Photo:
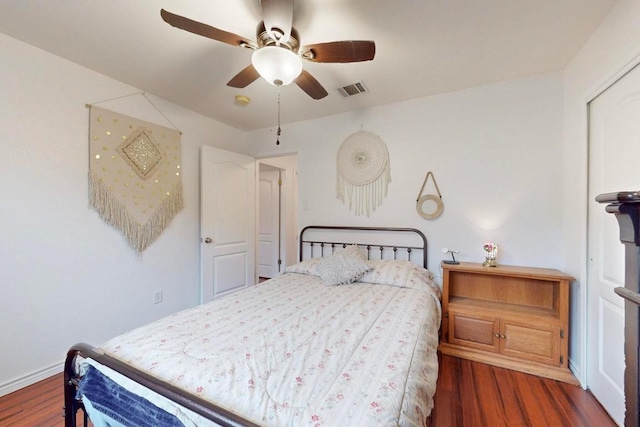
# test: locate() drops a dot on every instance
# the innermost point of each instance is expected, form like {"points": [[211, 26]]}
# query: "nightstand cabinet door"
{"points": [[527, 341], [474, 330]]}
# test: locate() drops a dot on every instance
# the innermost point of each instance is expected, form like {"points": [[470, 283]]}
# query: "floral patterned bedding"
{"points": [[293, 351]]}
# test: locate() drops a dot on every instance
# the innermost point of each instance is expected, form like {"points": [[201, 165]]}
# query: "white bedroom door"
{"points": [[268, 222], [227, 222], [614, 148]]}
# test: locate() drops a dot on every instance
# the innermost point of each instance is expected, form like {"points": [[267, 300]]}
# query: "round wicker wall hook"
{"points": [[420, 201]]}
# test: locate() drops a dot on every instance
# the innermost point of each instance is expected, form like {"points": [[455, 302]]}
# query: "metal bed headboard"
{"points": [[332, 246]]}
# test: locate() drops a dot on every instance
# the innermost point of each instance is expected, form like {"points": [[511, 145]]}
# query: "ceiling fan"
{"points": [[277, 55]]}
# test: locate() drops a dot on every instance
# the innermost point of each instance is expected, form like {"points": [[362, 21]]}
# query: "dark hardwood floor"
{"points": [[469, 394], [474, 394], [39, 405]]}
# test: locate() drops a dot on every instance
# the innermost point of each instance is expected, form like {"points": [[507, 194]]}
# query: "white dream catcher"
{"points": [[363, 172]]}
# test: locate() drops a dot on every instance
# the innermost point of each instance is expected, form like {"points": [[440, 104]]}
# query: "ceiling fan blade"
{"points": [[205, 30], [278, 14], [310, 85], [244, 78], [343, 51]]}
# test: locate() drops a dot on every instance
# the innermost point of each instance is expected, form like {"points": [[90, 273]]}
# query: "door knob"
{"points": [[208, 240]]}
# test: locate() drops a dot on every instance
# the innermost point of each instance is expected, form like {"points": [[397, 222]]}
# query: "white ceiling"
{"points": [[423, 47]]}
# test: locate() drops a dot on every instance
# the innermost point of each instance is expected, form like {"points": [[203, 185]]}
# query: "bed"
{"points": [[347, 336]]}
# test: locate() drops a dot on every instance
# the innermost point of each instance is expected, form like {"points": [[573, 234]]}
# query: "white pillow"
{"points": [[346, 266], [404, 274], [308, 266]]}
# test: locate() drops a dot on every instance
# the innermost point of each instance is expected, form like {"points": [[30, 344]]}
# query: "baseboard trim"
{"points": [[578, 374], [27, 380]]}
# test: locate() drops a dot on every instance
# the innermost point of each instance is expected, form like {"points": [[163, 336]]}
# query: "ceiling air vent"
{"points": [[353, 89]]}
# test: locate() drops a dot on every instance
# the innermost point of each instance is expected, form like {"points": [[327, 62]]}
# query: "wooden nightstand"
{"points": [[512, 317]]}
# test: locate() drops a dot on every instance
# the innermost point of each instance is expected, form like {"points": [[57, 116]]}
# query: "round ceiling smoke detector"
{"points": [[242, 100]]}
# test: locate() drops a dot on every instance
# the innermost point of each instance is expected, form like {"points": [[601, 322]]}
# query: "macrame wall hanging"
{"points": [[135, 181], [363, 172]]}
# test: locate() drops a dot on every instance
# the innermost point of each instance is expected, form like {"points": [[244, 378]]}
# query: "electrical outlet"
{"points": [[157, 296]]}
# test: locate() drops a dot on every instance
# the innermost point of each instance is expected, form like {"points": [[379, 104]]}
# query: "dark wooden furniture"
{"points": [[625, 206], [512, 317]]}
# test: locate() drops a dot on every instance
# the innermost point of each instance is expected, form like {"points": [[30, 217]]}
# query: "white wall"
{"points": [[612, 49], [496, 152], [66, 276]]}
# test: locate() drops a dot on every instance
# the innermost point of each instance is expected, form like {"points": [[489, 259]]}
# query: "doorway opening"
{"points": [[277, 215]]}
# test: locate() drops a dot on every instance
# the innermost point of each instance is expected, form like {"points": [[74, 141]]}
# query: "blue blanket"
{"points": [[120, 406]]}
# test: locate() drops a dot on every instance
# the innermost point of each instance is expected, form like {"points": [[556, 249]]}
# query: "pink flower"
{"points": [[340, 396], [299, 380], [315, 418], [374, 404], [199, 389], [248, 355]]}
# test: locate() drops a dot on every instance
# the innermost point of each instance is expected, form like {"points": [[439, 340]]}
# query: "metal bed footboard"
{"points": [[200, 406]]}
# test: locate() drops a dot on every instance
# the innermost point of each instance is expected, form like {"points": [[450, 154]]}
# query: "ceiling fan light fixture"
{"points": [[277, 65]]}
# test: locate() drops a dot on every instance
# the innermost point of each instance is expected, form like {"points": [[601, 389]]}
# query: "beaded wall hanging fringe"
{"points": [[135, 181], [363, 172], [115, 213]]}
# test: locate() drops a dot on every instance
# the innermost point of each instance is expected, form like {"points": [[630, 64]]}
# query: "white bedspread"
{"points": [[295, 352]]}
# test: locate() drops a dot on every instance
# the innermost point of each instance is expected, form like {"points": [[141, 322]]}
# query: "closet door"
{"points": [[614, 152], [268, 222]]}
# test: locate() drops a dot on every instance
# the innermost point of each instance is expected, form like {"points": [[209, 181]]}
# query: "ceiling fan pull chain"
{"points": [[279, 130]]}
